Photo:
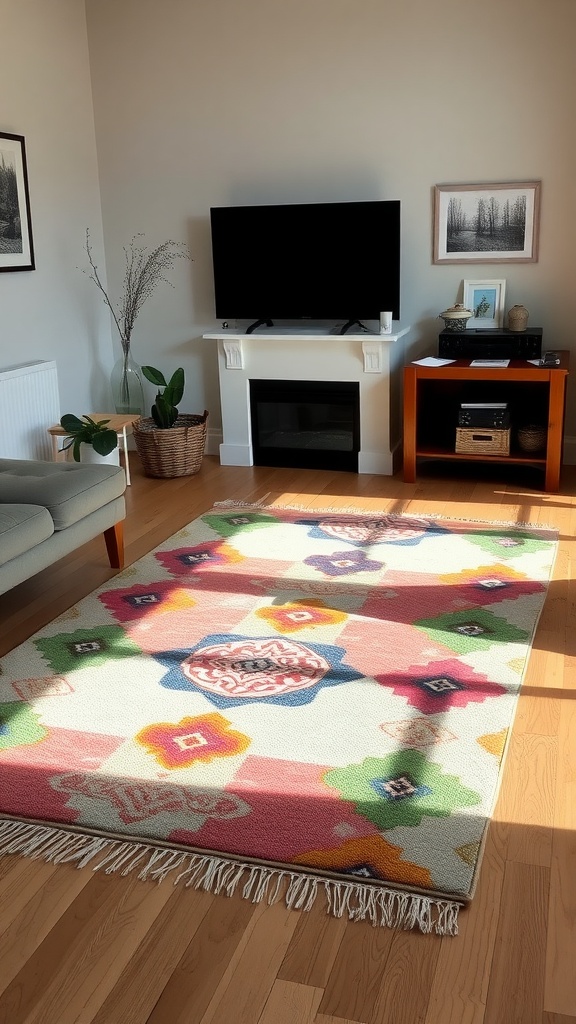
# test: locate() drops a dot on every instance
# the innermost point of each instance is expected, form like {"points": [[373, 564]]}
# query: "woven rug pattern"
{"points": [[282, 700]]}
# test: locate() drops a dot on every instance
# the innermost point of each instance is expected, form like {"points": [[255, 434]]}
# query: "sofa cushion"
{"points": [[69, 491], [22, 527]]}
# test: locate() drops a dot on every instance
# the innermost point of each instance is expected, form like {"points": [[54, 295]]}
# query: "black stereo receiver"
{"points": [[490, 343], [484, 414]]}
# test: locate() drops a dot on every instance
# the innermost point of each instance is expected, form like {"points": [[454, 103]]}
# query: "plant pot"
{"points": [[175, 451], [89, 456]]}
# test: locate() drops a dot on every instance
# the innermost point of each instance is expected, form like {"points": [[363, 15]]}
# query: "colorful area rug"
{"points": [[282, 701]]}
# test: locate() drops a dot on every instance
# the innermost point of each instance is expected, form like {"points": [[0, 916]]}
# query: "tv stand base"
{"points": [[352, 323], [259, 323]]}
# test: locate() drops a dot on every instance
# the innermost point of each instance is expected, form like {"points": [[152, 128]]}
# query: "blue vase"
{"points": [[127, 388]]}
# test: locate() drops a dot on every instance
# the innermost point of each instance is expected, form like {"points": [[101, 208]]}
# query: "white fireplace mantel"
{"points": [[373, 360]]}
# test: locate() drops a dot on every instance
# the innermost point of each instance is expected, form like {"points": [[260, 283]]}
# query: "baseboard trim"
{"points": [[213, 442]]}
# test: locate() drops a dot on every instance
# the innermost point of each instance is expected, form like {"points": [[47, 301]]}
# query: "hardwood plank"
{"points": [[313, 947], [141, 983], [322, 1018], [560, 987], [538, 714], [526, 803], [399, 1000], [18, 885], [290, 1003], [243, 992], [520, 947], [557, 1018], [30, 928], [210, 957], [354, 981], [82, 957], [460, 984]]}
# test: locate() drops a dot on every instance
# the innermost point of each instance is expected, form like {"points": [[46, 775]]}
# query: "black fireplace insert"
{"points": [[305, 424]]}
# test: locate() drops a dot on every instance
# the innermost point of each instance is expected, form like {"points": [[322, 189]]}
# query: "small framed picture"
{"points": [[496, 223], [486, 300], [16, 248]]}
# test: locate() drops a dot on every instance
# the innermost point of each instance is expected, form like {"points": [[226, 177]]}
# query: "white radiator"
{"points": [[29, 404]]}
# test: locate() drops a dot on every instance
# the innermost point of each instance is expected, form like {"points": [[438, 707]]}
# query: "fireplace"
{"points": [[305, 424], [367, 363]]}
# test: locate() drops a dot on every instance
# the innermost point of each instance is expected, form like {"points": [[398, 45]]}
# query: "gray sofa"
{"points": [[48, 509]]}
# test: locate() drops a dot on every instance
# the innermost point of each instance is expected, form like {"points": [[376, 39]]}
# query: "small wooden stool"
{"points": [[121, 424]]}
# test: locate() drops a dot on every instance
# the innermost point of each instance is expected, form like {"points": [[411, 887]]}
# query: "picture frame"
{"points": [[16, 246], [486, 223], [486, 299]]}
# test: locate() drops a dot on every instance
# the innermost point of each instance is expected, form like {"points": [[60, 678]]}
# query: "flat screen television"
{"points": [[314, 261]]}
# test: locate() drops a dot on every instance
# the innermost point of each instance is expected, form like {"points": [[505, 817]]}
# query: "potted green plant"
{"points": [[90, 440], [169, 443]]}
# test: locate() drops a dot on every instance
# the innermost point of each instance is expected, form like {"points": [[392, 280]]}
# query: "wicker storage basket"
{"points": [[478, 441], [176, 451], [532, 438]]}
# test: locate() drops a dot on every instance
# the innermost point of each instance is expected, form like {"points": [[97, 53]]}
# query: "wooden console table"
{"points": [[432, 395]]}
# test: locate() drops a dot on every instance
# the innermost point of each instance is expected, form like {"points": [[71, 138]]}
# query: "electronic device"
{"points": [[490, 343], [316, 261], [484, 414], [550, 359]]}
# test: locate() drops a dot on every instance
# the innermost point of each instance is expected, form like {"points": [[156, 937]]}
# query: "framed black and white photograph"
{"points": [[494, 223], [16, 248], [486, 300]]}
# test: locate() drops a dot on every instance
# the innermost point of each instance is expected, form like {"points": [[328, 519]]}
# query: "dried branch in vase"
{"points": [[144, 269]]}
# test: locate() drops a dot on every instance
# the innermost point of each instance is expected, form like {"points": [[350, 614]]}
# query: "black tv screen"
{"points": [[318, 261]]}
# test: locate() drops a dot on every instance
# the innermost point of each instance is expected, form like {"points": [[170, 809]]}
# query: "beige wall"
{"points": [[208, 102], [53, 312]]}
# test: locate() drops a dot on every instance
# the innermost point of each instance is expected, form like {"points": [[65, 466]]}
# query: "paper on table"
{"points": [[432, 361], [497, 363], [535, 362]]}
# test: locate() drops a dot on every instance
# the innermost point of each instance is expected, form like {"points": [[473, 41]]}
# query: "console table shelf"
{"points": [[432, 395], [515, 457]]}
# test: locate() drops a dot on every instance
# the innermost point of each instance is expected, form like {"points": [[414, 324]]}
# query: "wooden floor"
{"points": [[94, 949]]}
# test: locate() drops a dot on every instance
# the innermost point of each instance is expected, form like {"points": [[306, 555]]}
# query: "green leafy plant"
{"points": [[164, 411], [88, 431]]}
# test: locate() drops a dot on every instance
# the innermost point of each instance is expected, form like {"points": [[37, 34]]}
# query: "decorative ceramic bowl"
{"points": [[456, 317]]}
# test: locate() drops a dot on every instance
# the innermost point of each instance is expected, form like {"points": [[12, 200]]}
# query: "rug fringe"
{"points": [[233, 503], [354, 510], [261, 883]]}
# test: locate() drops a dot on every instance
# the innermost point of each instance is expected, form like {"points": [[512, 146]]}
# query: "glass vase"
{"points": [[127, 389]]}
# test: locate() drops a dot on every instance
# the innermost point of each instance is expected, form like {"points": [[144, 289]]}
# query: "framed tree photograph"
{"points": [[494, 223], [486, 300], [16, 248]]}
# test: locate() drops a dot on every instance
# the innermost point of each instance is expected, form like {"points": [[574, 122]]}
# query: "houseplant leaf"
{"points": [[70, 423], [105, 441], [154, 376]]}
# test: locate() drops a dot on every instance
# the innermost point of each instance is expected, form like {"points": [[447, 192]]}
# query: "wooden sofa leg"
{"points": [[114, 538]]}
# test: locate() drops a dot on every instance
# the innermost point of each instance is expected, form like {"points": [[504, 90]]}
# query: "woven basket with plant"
{"points": [[170, 443]]}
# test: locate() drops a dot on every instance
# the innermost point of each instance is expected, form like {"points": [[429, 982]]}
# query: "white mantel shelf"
{"points": [[370, 358], [305, 334]]}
